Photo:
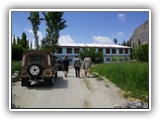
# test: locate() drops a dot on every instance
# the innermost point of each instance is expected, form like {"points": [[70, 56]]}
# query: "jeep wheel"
{"points": [[35, 70]]}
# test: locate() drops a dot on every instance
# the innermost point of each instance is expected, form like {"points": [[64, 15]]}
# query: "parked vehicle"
{"points": [[36, 66], [59, 64]]}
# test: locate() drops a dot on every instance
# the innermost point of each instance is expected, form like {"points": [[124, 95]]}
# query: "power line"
{"points": [[25, 14], [19, 16]]}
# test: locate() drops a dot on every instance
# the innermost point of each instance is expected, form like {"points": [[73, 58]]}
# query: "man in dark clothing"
{"points": [[65, 64], [77, 65]]}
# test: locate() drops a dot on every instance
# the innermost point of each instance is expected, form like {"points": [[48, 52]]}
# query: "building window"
{"points": [[108, 59], [114, 51], [126, 51], [59, 50], [76, 50], [107, 51], [69, 50], [120, 51]]}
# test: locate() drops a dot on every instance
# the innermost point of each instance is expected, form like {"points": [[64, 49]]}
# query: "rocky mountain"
{"points": [[141, 33]]}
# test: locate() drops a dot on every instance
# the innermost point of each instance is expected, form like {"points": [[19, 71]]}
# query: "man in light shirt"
{"points": [[87, 66]]}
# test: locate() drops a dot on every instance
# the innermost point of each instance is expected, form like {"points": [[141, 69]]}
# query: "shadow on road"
{"points": [[60, 83], [41, 85]]}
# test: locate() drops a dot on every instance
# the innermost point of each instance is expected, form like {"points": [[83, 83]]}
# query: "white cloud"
{"points": [[30, 30], [33, 45], [120, 34], [39, 35], [102, 40], [122, 17], [65, 39]]}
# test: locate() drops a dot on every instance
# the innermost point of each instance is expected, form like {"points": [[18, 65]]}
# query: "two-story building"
{"points": [[110, 52]]}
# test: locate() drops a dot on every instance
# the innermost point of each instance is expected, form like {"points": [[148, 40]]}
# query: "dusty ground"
{"points": [[69, 92]]}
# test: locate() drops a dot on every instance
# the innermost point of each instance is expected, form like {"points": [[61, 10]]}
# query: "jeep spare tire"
{"points": [[35, 70]]}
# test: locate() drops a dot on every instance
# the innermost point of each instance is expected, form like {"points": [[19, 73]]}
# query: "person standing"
{"points": [[87, 66], [77, 65], [65, 64]]}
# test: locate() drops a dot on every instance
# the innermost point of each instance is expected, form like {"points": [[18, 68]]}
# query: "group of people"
{"points": [[77, 64]]}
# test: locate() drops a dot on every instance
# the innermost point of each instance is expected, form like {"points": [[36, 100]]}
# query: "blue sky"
{"points": [[86, 27]]}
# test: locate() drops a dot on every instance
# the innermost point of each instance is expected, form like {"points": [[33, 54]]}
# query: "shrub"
{"points": [[17, 52], [96, 56], [141, 53], [16, 66]]}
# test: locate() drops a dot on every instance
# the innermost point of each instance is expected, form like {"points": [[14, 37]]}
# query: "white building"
{"points": [[122, 53]]}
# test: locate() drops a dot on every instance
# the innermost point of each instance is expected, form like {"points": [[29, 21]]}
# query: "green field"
{"points": [[16, 66], [132, 77]]}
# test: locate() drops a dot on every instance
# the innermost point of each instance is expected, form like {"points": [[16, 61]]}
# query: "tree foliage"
{"points": [[124, 43], [18, 41], [14, 40], [24, 41], [35, 21], [140, 52], [17, 52], [96, 56], [19, 46], [55, 23], [115, 40]]}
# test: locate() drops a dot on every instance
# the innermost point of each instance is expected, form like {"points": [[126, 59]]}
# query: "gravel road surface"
{"points": [[68, 92]]}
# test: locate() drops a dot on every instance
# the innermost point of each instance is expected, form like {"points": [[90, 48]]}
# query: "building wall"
{"points": [[107, 57]]}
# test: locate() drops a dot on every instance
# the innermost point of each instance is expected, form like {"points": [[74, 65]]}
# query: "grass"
{"points": [[16, 66], [132, 77]]}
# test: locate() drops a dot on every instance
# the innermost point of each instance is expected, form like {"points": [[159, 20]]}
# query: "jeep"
{"points": [[37, 66]]}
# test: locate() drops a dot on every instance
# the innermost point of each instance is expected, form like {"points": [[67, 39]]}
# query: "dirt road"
{"points": [[68, 92]]}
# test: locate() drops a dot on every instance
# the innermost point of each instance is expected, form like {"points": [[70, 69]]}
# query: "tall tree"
{"points": [[124, 43], [55, 23], [24, 41], [115, 40], [14, 40], [18, 41], [35, 21], [31, 45], [128, 43]]}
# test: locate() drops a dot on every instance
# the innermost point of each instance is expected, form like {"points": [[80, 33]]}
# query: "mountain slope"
{"points": [[141, 33]]}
